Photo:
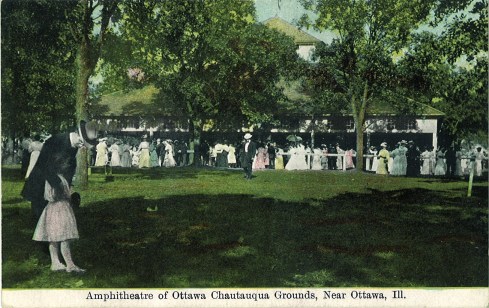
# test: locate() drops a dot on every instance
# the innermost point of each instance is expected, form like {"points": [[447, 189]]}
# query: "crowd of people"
{"points": [[147, 153], [406, 159], [402, 159]]}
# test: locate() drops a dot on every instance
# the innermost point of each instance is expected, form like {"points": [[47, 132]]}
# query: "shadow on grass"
{"points": [[396, 238], [159, 173]]}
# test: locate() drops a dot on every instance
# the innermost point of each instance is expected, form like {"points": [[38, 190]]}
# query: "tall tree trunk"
{"points": [[360, 124], [84, 69], [196, 131], [359, 135]]}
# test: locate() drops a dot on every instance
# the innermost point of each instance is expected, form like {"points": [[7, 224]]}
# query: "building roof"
{"points": [[137, 102], [300, 37], [143, 102]]}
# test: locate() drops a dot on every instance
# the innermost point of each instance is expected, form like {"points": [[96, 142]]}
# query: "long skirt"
{"points": [[144, 158], [279, 162]]}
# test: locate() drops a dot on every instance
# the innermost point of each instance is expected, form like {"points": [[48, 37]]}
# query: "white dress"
{"points": [[375, 161], [169, 161], [297, 159], [316, 160], [479, 156], [101, 159], [144, 155], [340, 158], [115, 158], [57, 222], [425, 166], [441, 166], [232, 155]]}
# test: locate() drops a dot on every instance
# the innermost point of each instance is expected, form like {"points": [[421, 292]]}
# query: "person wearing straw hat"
{"points": [[248, 152], [383, 158]]}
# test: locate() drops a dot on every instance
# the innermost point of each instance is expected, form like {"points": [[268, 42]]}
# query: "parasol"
{"points": [[294, 138]]}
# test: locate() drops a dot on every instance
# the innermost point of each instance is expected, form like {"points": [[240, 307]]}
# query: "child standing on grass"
{"points": [[57, 224]]}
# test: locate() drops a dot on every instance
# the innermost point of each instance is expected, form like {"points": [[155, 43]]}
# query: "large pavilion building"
{"points": [[136, 113]]}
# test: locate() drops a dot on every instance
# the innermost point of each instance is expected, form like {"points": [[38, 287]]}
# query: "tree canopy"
{"points": [[37, 67], [357, 68]]}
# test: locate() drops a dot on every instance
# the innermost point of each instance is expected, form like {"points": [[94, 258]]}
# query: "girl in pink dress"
{"points": [[260, 159], [57, 225]]}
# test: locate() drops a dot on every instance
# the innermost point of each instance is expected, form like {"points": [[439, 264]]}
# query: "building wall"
{"points": [[327, 129]]}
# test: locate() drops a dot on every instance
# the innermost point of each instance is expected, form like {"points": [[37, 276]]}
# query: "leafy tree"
{"points": [[448, 68], [37, 68], [357, 67], [459, 91], [210, 60], [89, 24], [46, 45]]}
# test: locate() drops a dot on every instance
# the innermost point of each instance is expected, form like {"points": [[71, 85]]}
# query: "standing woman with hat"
{"points": [[383, 159], [144, 153], [102, 149], [248, 152]]}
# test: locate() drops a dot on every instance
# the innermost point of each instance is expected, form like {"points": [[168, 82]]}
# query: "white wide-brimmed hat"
{"points": [[383, 144], [247, 136]]}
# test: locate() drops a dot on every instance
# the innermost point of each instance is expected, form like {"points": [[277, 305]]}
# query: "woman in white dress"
{"points": [[232, 156], [426, 162], [101, 158], [432, 161], [458, 163], [316, 159], [144, 153], [169, 160], [341, 158], [115, 157], [479, 156], [375, 162], [297, 159], [441, 166]]}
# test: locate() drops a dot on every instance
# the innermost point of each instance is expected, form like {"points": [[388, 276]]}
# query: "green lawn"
{"points": [[282, 229]]}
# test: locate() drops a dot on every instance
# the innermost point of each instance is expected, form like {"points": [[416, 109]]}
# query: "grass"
{"points": [[282, 229]]}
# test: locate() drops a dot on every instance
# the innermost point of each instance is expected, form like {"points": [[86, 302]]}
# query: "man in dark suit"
{"points": [[413, 160], [271, 155], [58, 156], [247, 155]]}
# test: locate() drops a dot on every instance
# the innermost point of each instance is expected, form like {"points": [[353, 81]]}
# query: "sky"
{"points": [[290, 11]]}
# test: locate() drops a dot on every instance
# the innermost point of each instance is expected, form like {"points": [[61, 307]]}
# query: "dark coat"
{"points": [[56, 157], [246, 158]]}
